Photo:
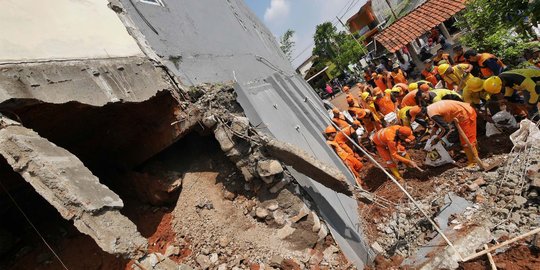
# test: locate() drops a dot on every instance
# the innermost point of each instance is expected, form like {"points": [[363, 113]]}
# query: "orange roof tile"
{"points": [[417, 22]]}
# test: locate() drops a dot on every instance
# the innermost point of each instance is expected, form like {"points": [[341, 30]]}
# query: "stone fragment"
{"points": [[491, 189], [223, 138], [323, 232], [520, 201], [316, 222], [279, 217], [261, 212], [224, 241], [229, 195], [240, 124], [304, 211], [267, 168], [248, 176], [285, 231], [209, 121], [214, 258], [276, 261], [272, 206], [172, 250], [377, 248], [290, 264], [480, 181], [472, 187], [203, 261], [278, 186]]}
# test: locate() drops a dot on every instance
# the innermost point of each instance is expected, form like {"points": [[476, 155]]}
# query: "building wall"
{"points": [[62, 29]]}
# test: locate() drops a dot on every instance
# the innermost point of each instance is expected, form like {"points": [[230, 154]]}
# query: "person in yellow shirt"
{"points": [[456, 76], [473, 92]]}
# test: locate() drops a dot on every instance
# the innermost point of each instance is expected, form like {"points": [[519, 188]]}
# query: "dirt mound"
{"points": [[518, 257]]}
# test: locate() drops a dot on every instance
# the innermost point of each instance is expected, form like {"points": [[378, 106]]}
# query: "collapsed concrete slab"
{"points": [[63, 180]]}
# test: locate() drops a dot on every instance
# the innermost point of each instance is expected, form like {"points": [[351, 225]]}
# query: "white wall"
{"points": [[61, 29]]}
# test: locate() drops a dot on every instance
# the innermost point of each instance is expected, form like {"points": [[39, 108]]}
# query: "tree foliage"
{"points": [[286, 43], [335, 47], [503, 27]]}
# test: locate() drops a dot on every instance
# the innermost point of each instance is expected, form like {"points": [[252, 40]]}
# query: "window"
{"points": [[153, 2]]}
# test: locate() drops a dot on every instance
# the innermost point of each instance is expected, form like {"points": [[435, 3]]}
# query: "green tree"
{"points": [[336, 47], [286, 43], [503, 27]]}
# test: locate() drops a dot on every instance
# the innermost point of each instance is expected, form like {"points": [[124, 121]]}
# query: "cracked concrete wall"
{"points": [[62, 29], [63, 180], [94, 82]]}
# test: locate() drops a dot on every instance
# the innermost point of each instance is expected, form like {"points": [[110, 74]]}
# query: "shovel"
{"points": [[486, 167]]}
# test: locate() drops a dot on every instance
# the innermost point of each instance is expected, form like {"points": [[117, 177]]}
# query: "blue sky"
{"points": [[302, 16]]}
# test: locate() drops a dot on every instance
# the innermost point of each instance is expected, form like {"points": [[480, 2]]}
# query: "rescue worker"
{"points": [[369, 104], [436, 95], [408, 114], [429, 73], [441, 55], [351, 100], [398, 92], [455, 77], [409, 99], [443, 114], [524, 81], [474, 94], [350, 161], [388, 142], [415, 85], [458, 58], [363, 115], [368, 77], [380, 79], [343, 141], [488, 63], [346, 89], [398, 76], [339, 119], [384, 102]]}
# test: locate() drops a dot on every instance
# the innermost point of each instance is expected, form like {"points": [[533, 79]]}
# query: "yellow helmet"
{"points": [[443, 68], [396, 89], [474, 84], [364, 95], [413, 86], [493, 85]]}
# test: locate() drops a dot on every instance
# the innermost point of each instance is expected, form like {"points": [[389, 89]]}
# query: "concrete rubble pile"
{"points": [[465, 203]]}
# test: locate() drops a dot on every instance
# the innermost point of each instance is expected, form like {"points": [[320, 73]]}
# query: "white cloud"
{"points": [[278, 9]]}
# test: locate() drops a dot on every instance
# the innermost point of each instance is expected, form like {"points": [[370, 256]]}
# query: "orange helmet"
{"points": [[406, 132], [377, 91], [330, 129], [424, 87], [350, 100], [346, 89], [335, 110]]}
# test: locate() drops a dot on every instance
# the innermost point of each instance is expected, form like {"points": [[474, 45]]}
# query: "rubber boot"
{"points": [[396, 173], [471, 161]]}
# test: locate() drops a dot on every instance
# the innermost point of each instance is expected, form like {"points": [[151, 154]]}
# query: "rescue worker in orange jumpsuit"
{"points": [[429, 73], [384, 102], [388, 142], [409, 99], [361, 114], [398, 76], [343, 141], [443, 114], [339, 119], [380, 79], [346, 89], [488, 63], [442, 56], [350, 161], [398, 92], [459, 58], [374, 116]]}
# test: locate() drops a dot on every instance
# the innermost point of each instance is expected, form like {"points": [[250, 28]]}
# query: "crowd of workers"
{"points": [[395, 112]]}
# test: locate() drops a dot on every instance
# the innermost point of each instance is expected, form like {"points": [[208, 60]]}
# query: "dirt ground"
{"points": [[517, 257]]}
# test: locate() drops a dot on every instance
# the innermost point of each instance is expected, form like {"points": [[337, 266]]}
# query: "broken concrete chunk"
{"points": [[520, 201], [480, 181], [209, 121], [304, 211], [377, 248], [272, 205], [268, 168], [277, 187], [323, 232], [472, 187], [248, 176], [285, 231], [240, 124], [261, 212], [172, 250], [223, 138], [203, 261], [316, 222], [279, 217]]}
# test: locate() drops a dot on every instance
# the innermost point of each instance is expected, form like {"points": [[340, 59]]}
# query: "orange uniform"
{"points": [[343, 141], [409, 99], [463, 112], [379, 81], [443, 56], [385, 104], [340, 122], [352, 163], [398, 77], [429, 75], [388, 146], [486, 71]]}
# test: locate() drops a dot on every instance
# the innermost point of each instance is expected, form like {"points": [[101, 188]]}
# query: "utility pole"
{"points": [[349, 31], [392, 10]]}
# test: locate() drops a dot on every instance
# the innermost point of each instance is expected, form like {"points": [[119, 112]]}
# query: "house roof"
{"points": [[419, 21]]}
